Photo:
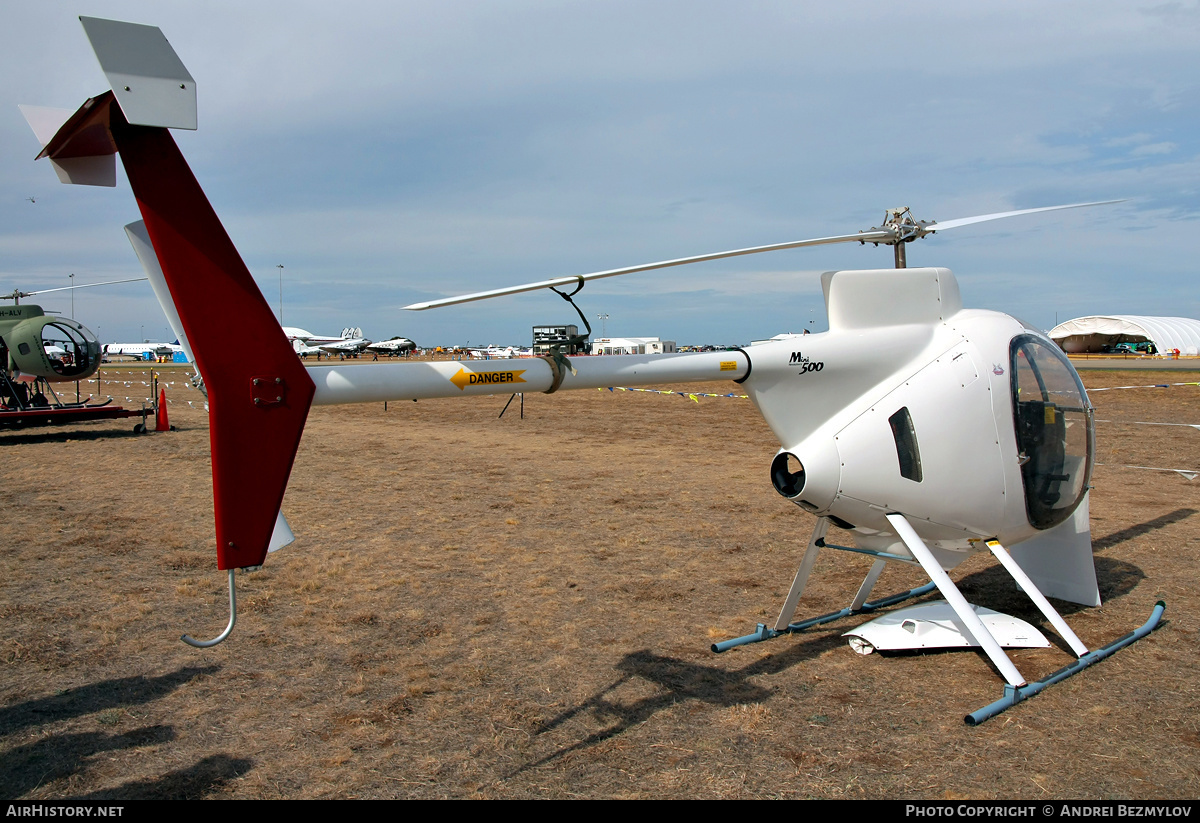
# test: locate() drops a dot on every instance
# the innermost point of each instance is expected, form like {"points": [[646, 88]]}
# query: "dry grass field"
{"points": [[483, 607]]}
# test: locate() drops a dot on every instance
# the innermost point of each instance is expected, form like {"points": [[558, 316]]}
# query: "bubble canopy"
{"points": [[66, 348], [1054, 429]]}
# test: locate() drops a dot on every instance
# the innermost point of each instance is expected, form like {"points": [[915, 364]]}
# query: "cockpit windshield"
{"points": [[1055, 436], [66, 348]]}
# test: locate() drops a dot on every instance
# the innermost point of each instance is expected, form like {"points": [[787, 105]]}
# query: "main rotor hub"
{"points": [[902, 227], [16, 296]]}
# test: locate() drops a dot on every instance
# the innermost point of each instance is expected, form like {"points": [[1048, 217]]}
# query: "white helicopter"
{"points": [[927, 430]]}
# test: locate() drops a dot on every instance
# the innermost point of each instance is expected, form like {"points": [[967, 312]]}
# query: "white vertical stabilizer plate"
{"points": [[282, 535], [936, 626], [139, 238], [1059, 561], [151, 83]]}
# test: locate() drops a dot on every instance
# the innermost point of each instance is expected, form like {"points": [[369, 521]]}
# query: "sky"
{"points": [[387, 153]]}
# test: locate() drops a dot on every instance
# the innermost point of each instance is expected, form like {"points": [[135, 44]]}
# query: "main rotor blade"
{"points": [[874, 236], [890, 234], [83, 286], [983, 218]]}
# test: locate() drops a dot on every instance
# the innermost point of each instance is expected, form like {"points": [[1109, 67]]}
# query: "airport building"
{"points": [[785, 336], [547, 337], [1128, 332], [632, 345]]}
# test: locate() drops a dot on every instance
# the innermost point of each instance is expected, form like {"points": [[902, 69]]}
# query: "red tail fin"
{"points": [[258, 404]]}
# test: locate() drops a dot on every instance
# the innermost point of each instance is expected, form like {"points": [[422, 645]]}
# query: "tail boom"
{"points": [[459, 378]]}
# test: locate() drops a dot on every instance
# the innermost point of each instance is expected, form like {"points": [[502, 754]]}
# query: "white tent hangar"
{"points": [[1091, 334]]}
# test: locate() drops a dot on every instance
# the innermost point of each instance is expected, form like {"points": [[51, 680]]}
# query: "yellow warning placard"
{"points": [[728, 365], [466, 378]]}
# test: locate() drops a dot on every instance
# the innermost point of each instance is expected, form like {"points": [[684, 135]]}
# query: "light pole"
{"points": [[603, 318], [280, 267], [71, 278]]}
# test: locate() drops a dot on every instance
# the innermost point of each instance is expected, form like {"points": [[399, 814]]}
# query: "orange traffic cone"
{"points": [[160, 414]]}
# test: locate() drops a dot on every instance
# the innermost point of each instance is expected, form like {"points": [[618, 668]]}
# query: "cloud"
{"points": [[1152, 149]]}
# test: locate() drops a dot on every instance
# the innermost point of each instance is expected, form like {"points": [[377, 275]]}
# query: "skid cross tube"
{"points": [[1039, 599], [765, 633], [784, 624]]}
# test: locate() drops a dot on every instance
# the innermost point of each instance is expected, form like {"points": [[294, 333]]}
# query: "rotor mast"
{"points": [[899, 227]]}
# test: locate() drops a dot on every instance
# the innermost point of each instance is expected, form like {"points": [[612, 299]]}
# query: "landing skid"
{"points": [[1016, 688], [764, 633], [1015, 694]]}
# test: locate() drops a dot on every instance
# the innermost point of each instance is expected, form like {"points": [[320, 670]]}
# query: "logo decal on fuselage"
{"points": [[806, 364]]}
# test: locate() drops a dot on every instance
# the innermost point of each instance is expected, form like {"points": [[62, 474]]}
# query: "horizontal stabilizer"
{"points": [[152, 85], [44, 120], [86, 169]]}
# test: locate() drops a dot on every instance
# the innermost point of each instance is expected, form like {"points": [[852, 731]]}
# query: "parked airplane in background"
{"points": [[140, 350], [303, 335], [497, 353], [394, 345], [305, 342], [352, 345]]}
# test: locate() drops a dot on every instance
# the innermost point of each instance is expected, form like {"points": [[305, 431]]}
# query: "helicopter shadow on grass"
{"points": [[679, 681], [992, 587], [96, 697], [24, 437], [60, 756], [682, 681], [685, 681], [1137, 530], [995, 589], [195, 783]]}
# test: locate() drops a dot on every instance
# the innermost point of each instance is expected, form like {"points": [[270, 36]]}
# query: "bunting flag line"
{"points": [[1195, 426], [1153, 386], [1189, 474], [693, 395]]}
